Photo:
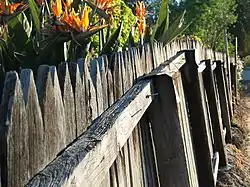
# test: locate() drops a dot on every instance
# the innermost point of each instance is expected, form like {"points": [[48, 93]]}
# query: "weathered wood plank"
{"points": [[106, 181], [186, 132], [68, 102], [134, 141], [223, 100], [103, 63], [110, 89], [82, 162], [16, 171], [117, 74], [96, 79], [127, 79], [227, 89], [132, 58], [92, 109], [166, 127], [234, 85], [78, 84], [137, 155], [149, 162], [195, 99], [219, 142], [119, 69], [49, 95], [36, 146], [113, 176], [129, 70]]}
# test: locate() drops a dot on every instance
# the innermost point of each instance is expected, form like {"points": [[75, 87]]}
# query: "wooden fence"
{"points": [[150, 116]]}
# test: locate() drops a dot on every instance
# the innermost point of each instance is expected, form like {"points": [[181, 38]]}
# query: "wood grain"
{"points": [[52, 110], [194, 91], [36, 146], [223, 100], [76, 165], [79, 89], [14, 120], [68, 102]]}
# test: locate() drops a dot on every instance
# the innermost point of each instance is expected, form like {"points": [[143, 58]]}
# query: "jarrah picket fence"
{"points": [[149, 116]]}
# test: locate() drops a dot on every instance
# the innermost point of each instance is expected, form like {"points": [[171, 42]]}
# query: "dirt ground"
{"points": [[238, 173]]}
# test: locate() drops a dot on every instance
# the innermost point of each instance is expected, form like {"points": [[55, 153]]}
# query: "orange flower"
{"points": [[57, 8], [85, 19], [103, 4], [140, 10], [141, 16], [74, 21], [68, 3], [7, 8], [142, 26]]}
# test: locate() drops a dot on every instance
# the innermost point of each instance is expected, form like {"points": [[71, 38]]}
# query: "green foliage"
{"points": [[216, 18], [112, 41], [247, 61], [175, 29], [241, 28], [163, 31], [121, 12], [35, 14], [163, 18]]}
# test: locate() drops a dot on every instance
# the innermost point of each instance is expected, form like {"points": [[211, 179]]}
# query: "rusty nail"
{"points": [[155, 94]]}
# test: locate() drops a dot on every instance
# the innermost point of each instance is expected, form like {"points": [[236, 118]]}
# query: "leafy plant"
{"points": [[163, 32]]}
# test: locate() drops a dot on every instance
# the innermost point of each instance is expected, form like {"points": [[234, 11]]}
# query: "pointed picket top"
{"points": [[92, 108], [68, 102], [14, 123], [50, 98], [103, 67], [96, 78], [36, 143], [79, 90]]}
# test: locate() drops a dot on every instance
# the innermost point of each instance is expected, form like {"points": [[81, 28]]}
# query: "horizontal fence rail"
{"points": [[149, 116]]}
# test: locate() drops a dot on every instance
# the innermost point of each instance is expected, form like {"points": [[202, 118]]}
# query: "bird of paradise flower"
{"points": [[7, 8], [70, 20], [141, 18]]}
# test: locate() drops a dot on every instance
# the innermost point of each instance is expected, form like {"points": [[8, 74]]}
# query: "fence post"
{"points": [[234, 85], [213, 102], [167, 135], [223, 100], [196, 105]]}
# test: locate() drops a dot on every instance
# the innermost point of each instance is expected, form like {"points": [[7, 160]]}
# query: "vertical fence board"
{"points": [[148, 154], [215, 115], [134, 141], [103, 62], [36, 146], [78, 85], [163, 114], [195, 100], [223, 100], [52, 110], [96, 79], [110, 87], [92, 109], [234, 85], [227, 90], [14, 123], [186, 133], [103, 67], [127, 79], [68, 102], [119, 166]]}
